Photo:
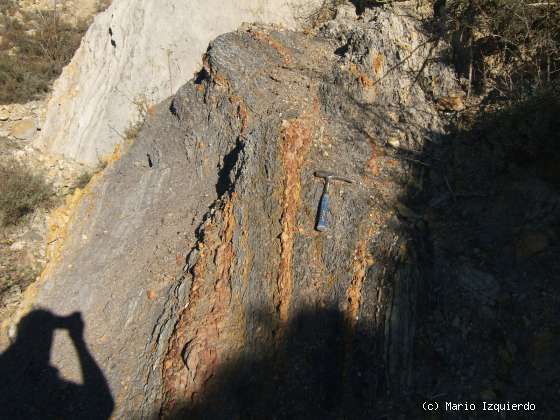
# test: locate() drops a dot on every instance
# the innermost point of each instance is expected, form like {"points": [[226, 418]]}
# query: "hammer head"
{"points": [[331, 176]]}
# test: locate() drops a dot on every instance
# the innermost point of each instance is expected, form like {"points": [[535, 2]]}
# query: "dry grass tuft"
{"points": [[21, 192]]}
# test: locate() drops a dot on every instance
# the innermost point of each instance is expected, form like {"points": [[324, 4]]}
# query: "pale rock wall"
{"points": [[137, 53]]}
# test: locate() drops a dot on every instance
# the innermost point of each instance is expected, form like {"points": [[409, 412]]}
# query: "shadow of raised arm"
{"points": [[96, 396], [32, 388]]}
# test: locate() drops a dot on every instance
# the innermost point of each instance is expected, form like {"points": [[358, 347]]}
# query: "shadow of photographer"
{"points": [[32, 388]]}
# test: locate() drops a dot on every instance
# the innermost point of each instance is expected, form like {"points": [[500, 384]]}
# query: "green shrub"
{"points": [[21, 192]]}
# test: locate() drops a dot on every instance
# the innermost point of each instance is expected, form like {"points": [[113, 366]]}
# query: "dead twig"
{"points": [[404, 60]]}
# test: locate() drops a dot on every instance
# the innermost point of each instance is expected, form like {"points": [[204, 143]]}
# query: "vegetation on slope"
{"points": [[506, 47], [21, 191], [34, 48]]}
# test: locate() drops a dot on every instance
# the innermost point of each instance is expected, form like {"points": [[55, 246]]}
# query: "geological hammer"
{"points": [[324, 203]]}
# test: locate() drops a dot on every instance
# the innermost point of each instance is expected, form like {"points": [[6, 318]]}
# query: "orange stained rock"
{"points": [[296, 139], [362, 77], [373, 161], [361, 261], [242, 112], [203, 332], [274, 43], [377, 62], [217, 78]]}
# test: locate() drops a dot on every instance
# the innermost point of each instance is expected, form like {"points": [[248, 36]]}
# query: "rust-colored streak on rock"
{"points": [[319, 266], [373, 161], [203, 335], [249, 253], [362, 260], [174, 375], [362, 77], [295, 141], [224, 254], [365, 81], [200, 89], [218, 78], [377, 62], [242, 112], [282, 51]]}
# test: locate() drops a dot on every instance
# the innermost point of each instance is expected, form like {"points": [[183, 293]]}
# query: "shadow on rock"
{"points": [[32, 388], [490, 324], [487, 325], [318, 370]]}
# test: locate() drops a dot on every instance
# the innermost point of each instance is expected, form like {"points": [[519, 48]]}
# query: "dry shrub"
{"points": [[324, 13], [33, 51], [21, 191], [144, 109], [83, 179], [507, 46], [101, 5]]}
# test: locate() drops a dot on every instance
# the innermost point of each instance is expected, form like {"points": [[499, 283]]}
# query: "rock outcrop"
{"points": [[194, 260], [206, 292], [21, 121], [135, 54]]}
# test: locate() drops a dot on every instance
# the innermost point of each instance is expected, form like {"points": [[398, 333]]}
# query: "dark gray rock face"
{"points": [[203, 284], [283, 320]]}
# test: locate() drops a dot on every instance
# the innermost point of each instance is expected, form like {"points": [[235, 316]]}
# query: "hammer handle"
{"points": [[322, 214]]}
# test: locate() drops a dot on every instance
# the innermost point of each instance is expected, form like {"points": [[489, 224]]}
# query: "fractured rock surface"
{"points": [[203, 285], [207, 293]]}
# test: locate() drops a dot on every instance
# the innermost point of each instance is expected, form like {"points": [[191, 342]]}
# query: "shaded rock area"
{"points": [[206, 292], [491, 319]]}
